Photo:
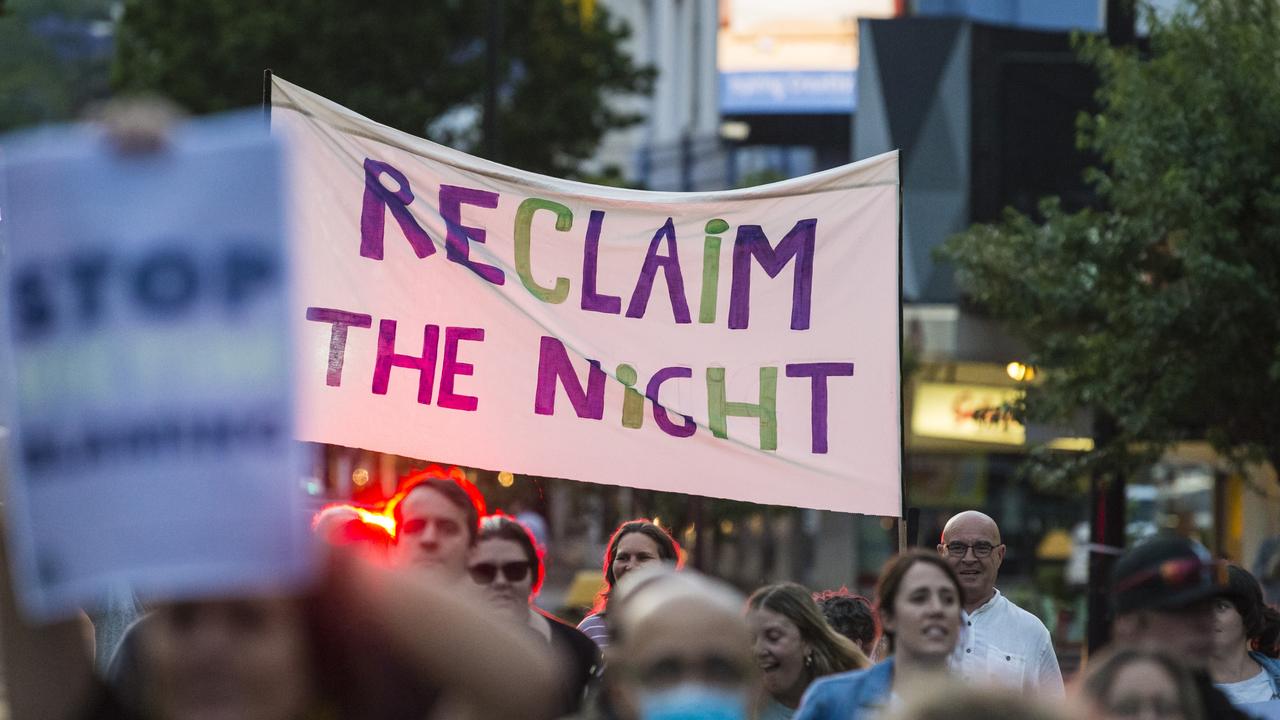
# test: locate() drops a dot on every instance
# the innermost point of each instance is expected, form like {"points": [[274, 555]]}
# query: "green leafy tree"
{"points": [[54, 59], [1159, 312], [418, 67]]}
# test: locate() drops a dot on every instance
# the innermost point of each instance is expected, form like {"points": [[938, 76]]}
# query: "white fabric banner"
{"points": [[739, 344]]}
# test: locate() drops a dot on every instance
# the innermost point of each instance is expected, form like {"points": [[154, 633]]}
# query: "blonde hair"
{"points": [[832, 652]]}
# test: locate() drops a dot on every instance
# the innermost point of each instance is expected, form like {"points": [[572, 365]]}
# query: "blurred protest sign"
{"points": [[740, 344], [149, 383]]}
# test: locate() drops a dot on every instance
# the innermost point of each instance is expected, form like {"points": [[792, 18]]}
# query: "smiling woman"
{"points": [[633, 544], [794, 645]]}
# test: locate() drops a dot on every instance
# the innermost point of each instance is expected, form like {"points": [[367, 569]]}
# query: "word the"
{"points": [[451, 367]]}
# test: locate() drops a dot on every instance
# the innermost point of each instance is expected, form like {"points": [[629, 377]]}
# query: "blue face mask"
{"points": [[693, 702]]}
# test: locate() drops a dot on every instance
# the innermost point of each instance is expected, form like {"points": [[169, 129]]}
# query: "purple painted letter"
{"points": [[387, 358], [591, 300], [659, 412], [452, 368], [372, 216], [670, 264], [341, 320], [457, 247], [553, 365], [818, 373], [751, 242]]}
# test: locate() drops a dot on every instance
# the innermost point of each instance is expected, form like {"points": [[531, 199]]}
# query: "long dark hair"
{"points": [[891, 581], [1261, 622], [668, 550], [832, 652]]}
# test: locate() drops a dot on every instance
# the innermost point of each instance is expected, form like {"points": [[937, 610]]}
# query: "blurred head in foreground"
{"points": [[680, 648], [919, 599], [236, 659], [952, 701], [1133, 682]]}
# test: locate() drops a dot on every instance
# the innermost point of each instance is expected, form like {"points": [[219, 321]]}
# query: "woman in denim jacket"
{"points": [[919, 605]]}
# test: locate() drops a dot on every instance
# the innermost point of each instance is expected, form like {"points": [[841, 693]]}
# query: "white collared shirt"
{"points": [[1004, 644]]}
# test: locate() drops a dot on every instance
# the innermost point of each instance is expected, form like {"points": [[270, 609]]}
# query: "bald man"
{"points": [[1001, 642], [680, 648]]}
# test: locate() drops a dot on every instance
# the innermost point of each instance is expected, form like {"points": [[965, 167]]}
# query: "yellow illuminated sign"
{"points": [[966, 412]]}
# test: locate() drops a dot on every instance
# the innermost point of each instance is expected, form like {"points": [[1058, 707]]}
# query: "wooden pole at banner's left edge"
{"points": [[902, 394], [266, 97]]}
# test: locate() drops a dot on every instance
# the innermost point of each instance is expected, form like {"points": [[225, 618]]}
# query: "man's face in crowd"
{"points": [[966, 537], [1185, 633], [433, 533]]}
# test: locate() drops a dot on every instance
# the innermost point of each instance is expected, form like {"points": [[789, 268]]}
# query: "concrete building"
{"points": [[677, 146]]}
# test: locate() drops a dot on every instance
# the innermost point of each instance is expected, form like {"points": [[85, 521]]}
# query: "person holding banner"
{"points": [[919, 603], [437, 514], [507, 566], [634, 544]]}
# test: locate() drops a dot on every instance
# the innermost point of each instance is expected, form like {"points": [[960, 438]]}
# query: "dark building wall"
{"points": [[984, 118]]}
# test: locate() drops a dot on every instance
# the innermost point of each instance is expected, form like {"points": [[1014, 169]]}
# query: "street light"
{"points": [[1020, 372]]}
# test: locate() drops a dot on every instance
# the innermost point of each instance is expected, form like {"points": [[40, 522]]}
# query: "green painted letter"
{"points": [[719, 409], [524, 219], [711, 270], [632, 400]]}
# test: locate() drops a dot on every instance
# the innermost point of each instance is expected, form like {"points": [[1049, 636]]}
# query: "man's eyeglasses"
{"points": [[980, 549], [485, 573], [1179, 573]]}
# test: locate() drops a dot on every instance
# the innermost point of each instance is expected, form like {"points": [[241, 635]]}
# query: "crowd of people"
{"points": [[428, 610]]}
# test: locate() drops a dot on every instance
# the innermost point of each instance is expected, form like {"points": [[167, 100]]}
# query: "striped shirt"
{"points": [[593, 626]]}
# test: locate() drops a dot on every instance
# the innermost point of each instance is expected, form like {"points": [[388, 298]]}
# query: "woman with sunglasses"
{"points": [[506, 563], [1243, 663], [919, 605]]}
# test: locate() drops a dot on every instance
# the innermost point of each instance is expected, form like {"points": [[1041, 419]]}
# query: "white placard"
{"points": [[150, 383]]}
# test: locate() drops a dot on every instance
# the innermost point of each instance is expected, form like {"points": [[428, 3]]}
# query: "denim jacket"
{"points": [[848, 695], [1271, 666]]}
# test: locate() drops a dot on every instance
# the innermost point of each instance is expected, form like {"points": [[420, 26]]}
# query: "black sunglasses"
{"points": [[484, 573]]}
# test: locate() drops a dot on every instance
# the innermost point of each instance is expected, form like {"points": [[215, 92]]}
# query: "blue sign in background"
{"points": [[788, 92]]}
